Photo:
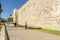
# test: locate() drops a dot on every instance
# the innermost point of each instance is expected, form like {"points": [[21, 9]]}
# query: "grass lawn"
{"points": [[46, 30], [51, 31]]}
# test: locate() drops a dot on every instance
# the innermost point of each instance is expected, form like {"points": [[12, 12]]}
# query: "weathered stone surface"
{"points": [[40, 13], [15, 15]]}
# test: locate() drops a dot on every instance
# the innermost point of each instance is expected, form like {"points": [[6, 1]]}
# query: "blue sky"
{"points": [[9, 5]]}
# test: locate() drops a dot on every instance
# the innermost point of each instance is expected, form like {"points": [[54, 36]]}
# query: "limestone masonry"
{"points": [[39, 13]]}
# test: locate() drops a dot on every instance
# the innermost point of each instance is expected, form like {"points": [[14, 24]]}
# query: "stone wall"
{"points": [[15, 16], [40, 13]]}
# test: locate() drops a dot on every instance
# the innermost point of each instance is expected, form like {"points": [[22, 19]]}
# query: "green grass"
{"points": [[1, 23], [51, 31], [44, 30]]}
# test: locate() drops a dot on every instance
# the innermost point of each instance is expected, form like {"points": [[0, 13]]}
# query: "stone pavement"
{"points": [[2, 33], [18, 33]]}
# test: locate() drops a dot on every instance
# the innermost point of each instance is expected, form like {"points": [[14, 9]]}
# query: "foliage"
{"points": [[10, 19], [2, 21], [0, 10]]}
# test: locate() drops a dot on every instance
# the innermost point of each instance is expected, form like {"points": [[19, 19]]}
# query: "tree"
{"points": [[10, 19], [3, 20], [0, 9]]}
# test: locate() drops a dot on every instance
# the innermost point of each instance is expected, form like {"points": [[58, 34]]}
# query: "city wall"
{"points": [[40, 13]]}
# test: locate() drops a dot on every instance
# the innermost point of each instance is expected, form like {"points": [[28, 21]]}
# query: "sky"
{"points": [[9, 5]]}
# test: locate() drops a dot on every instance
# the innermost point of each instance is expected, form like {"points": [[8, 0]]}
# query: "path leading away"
{"points": [[17, 33]]}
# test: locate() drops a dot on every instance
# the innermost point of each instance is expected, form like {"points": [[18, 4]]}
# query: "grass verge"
{"points": [[44, 30]]}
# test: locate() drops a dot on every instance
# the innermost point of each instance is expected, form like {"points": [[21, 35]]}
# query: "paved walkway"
{"points": [[17, 33], [2, 33]]}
